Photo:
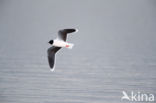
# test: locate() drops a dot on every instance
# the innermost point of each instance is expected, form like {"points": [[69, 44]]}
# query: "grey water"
{"points": [[114, 50]]}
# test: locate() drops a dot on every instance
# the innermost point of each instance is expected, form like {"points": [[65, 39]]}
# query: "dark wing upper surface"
{"points": [[62, 34], [51, 55]]}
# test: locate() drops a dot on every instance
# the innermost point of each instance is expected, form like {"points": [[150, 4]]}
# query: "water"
{"points": [[78, 78], [114, 50]]}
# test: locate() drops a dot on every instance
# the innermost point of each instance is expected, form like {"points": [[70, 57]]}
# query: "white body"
{"points": [[61, 43]]}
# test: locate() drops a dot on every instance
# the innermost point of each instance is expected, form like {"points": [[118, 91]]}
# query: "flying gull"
{"points": [[57, 44]]}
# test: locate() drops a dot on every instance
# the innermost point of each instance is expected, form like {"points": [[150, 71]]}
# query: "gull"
{"points": [[57, 44]]}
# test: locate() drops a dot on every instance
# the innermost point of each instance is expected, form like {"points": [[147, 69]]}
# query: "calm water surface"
{"points": [[79, 77]]}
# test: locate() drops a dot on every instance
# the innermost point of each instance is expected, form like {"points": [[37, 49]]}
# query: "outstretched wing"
{"points": [[62, 34], [51, 55]]}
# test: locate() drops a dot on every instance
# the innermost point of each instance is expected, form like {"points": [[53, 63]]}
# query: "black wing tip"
{"points": [[70, 30], [51, 66]]}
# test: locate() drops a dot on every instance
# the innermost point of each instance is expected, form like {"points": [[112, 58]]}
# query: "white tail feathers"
{"points": [[69, 45]]}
